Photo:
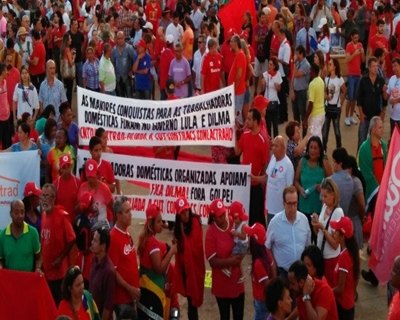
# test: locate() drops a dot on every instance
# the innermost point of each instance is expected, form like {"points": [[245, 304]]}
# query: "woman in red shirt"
{"points": [[218, 249], [347, 268], [189, 260], [77, 303], [59, 29], [155, 257]]}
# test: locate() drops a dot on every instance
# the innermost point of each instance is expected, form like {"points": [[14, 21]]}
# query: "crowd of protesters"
{"points": [[304, 227]]}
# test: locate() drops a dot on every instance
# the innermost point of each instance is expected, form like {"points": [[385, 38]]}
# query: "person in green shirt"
{"points": [[19, 242]]}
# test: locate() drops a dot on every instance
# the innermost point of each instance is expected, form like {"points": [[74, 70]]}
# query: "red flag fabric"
{"points": [[231, 15], [385, 233], [25, 295]]}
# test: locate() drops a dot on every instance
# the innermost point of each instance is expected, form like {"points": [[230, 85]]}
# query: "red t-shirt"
{"points": [[159, 46], [259, 276], [64, 309], [227, 56], [211, 71], [165, 60], [39, 51], [378, 41], [123, 255], [102, 198], [67, 194], [394, 309], [12, 78], [323, 297], [152, 245], [345, 264], [56, 233], [240, 62], [219, 243], [255, 149], [275, 44], [59, 33], [378, 163], [354, 65], [105, 172], [153, 13]]}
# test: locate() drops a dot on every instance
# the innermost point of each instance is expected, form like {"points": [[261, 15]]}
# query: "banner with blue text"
{"points": [[165, 180]]}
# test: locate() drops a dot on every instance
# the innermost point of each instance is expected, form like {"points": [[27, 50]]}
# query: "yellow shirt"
{"points": [[316, 95]]}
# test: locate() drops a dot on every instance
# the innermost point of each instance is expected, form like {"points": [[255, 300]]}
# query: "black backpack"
{"points": [[83, 232]]}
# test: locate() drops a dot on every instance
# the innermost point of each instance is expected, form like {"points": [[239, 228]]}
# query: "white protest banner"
{"points": [[200, 183], [208, 119], [16, 169]]}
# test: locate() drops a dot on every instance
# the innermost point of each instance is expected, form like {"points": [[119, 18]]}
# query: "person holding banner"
{"points": [[189, 259], [67, 186], [255, 149], [62, 147], [102, 196], [25, 143], [218, 250], [155, 257]]}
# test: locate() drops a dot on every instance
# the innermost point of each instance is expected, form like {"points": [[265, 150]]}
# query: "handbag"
{"points": [[67, 71]]}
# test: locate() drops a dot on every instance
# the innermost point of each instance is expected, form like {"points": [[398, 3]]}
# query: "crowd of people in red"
{"points": [[305, 223]]}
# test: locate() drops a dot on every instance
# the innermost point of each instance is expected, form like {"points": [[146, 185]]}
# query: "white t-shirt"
{"points": [[333, 86], [328, 253], [177, 32], [280, 174], [393, 90], [284, 55], [270, 91], [26, 98], [197, 63]]}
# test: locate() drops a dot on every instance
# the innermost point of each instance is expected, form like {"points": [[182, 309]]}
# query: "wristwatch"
{"points": [[306, 297]]}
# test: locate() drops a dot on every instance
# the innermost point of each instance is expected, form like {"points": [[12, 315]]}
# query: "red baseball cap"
{"points": [[65, 159], [257, 231], [217, 208], [32, 189], [181, 204], [81, 19], [91, 168], [85, 200], [260, 102], [237, 211], [344, 225], [141, 43], [152, 211]]}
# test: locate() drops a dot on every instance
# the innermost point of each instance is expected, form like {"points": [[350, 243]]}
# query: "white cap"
{"points": [[169, 38], [266, 10], [322, 22], [148, 25]]}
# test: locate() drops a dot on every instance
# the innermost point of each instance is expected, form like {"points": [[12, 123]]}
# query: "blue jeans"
{"points": [[260, 310], [352, 86]]}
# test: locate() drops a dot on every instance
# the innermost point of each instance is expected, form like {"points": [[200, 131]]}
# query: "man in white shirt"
{"points": [[288, 233], [175, 29], [197, 62], [197, 17], [279, 175], [107, 78], [284, 54]]}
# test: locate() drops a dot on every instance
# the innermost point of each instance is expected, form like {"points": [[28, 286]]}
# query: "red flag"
{"points": [[25, 295], [231, 15], [385, 233]]}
